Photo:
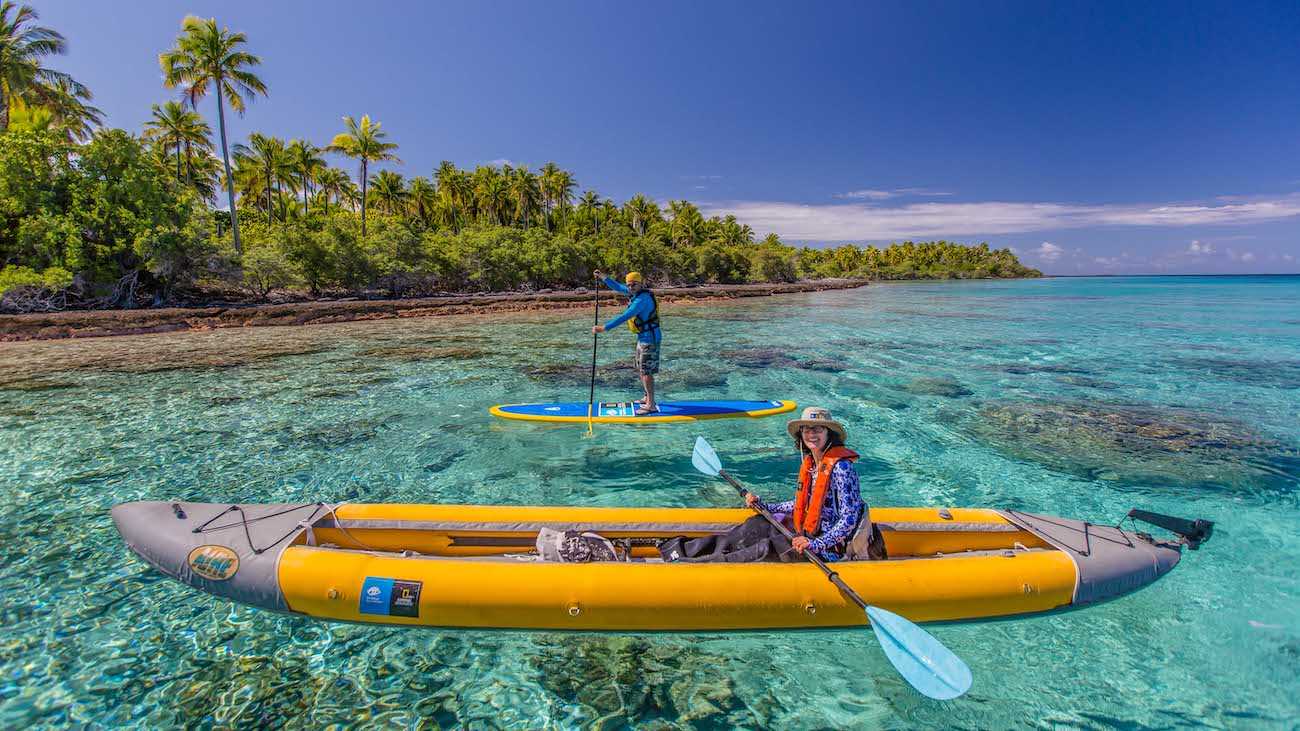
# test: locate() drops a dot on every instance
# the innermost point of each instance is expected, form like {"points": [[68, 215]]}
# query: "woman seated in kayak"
{"points": [[824, 514]]}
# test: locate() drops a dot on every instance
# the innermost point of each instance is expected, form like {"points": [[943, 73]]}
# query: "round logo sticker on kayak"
{"points": [[217, 563]]}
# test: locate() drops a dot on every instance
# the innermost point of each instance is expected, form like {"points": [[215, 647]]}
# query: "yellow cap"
{"points": [[632, 277]]}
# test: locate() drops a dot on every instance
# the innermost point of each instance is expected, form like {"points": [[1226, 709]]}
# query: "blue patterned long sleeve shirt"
{"points": [[840, 512]]}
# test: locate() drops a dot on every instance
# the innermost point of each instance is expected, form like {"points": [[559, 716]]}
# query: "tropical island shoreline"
{"points": [[107, 323]]}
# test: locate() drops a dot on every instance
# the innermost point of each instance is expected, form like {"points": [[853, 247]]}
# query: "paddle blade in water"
{"points": [[922, 660], [705, 459]]}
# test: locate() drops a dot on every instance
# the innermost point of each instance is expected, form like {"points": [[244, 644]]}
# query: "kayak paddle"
{"points": [[922, 660], [591, 398]]}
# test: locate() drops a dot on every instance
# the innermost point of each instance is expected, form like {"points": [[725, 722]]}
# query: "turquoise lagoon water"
{"points": [[1075, 397]]}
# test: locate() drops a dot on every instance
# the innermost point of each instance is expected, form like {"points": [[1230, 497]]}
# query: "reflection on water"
{"points": [[1075, 397]]}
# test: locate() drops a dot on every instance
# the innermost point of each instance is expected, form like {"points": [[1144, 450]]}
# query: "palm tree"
{"points": [[491, 193], [589, 205], [388, 192], [546, 177], [172, 125], [66, 101], [203, 172], [688, 226], [207, 58], [423, 199], [730, 232], [640, 212], [448, 177], [350, 194], [525, 193], [248, 179], [270, 156], [22, 76], [306, 163], [332, 181], [562, 185], [364, 141]]}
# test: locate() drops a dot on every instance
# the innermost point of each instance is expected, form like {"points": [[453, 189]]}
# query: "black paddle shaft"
{"points": [[591, 398], [814, 558]]}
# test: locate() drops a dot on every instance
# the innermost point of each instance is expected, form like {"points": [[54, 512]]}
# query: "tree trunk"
{"points": [[178, 163], [363, 198], [230, 179]]}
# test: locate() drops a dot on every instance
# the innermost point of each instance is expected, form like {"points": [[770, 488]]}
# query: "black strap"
{"points": [[651, 322], [244, 521]]}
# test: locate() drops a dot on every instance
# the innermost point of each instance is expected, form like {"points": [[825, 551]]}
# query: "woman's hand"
{"points": [[597, 329], [751, 499], [799, 544]]}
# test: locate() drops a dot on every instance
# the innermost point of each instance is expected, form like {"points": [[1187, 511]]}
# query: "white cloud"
{"points": [[1047, 251], [868, 222], [874, 195], [1243, 256], [501, 162], [1199, 249], [881, 195], [1288, 257]]}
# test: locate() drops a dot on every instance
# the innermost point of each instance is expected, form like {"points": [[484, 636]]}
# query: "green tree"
{"points": [[172, 125], [332, 181], [640, 212], [525, 194], [270, 157], [207, 58], [388, 192], [305, 162], [365, 142], [23, 75], [423, 199]]}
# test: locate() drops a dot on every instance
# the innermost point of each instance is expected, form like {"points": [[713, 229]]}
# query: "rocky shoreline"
{"points": [[105, 323]]}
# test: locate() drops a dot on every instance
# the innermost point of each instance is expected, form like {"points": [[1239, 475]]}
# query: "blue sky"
{"points": [[1089, 137]]}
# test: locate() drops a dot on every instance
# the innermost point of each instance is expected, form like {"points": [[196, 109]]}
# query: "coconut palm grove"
{"points": [[178, 213]]}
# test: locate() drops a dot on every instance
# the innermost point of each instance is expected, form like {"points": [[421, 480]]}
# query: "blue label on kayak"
{"points": [[390, 597], [375, 594]]}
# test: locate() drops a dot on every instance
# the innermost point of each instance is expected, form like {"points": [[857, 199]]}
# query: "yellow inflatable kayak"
{"points": [[473, 566]]}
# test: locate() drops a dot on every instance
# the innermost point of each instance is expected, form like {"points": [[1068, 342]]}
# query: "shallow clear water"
{"points": [[1075, 397]]}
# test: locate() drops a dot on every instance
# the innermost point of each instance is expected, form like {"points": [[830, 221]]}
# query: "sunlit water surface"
{"points": [[1077, 397]]}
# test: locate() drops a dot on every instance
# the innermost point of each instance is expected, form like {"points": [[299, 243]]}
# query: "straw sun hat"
{"points": [[816, 416]]}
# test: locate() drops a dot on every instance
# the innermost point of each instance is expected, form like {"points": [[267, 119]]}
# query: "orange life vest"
{"points": [[808, 512]]}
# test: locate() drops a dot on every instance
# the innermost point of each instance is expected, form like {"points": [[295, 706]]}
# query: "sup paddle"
{"points": [[591, 397], [934, 670]]}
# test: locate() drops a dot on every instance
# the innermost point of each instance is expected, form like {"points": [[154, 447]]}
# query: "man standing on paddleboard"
{"points": [[642, 318]]}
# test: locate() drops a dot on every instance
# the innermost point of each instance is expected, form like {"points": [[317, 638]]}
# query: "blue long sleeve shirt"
{"points": [[840, 512], [641, 306]]}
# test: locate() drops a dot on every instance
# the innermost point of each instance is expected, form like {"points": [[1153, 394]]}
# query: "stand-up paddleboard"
{"points": [[624, 412]]}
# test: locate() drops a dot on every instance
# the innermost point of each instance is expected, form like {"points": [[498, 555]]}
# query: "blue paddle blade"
{"points": [[705, 459], [922, 660]]}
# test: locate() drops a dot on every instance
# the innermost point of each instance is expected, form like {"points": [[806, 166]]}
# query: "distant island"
{"points": [[99, 218]]}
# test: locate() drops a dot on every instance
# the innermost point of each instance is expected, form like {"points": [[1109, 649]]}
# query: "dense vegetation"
{"points": [[108, 218]]}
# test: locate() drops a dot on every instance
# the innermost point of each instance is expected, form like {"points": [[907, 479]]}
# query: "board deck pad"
{"points": [[624, 412]]}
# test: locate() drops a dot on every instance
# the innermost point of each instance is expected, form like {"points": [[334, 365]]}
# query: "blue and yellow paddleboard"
{"points": [[624, 412]]}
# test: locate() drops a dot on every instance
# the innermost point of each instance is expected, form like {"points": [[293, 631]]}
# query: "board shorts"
{"points": [[646, 359]]}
